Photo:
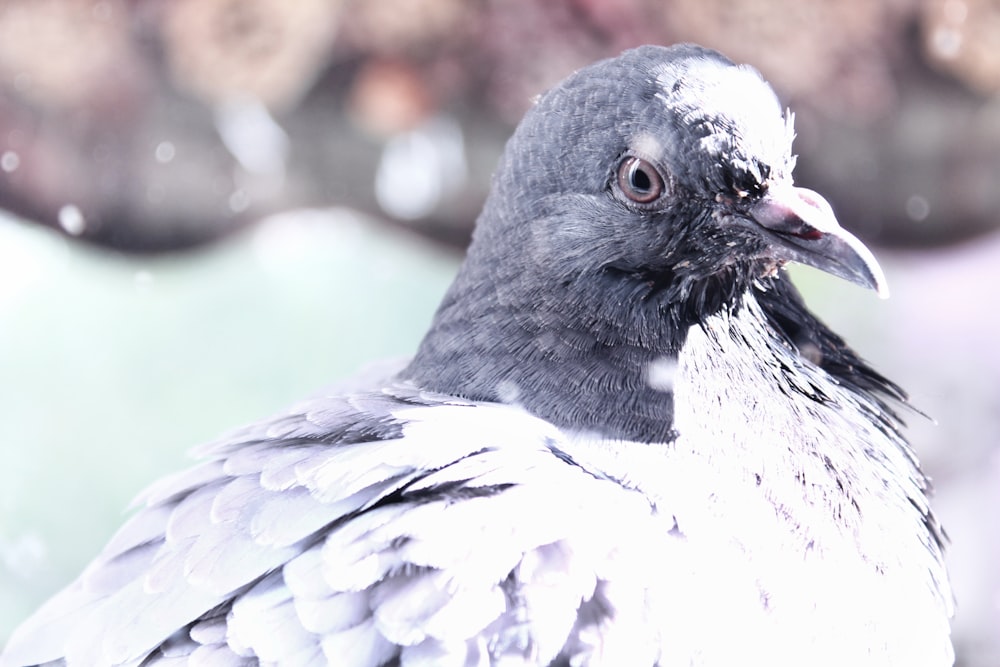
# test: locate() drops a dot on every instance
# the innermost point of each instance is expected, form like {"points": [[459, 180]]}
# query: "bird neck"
{"points": [[594, 355]]}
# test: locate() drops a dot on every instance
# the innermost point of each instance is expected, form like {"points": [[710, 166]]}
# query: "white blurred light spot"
{"points": [[661, 374], [418, 168], [27, 258], [143, 281], [946, 42], [281, 240], [71, 219], [918, 208], [10, 161], [165, 152], [25, 556], [239, 201], [253, 137], [293, 237]]}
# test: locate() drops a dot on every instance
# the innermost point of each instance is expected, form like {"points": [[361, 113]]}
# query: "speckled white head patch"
{"points": [[736, 105]]}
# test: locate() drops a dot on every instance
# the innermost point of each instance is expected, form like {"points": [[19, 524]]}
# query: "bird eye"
{"points": [[639, 180]]}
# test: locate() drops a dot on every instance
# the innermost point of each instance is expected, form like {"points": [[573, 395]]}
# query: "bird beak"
{"points": [[807, 232]]}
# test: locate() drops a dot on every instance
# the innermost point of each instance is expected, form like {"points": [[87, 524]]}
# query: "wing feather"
{"points": [[361, 644], [265, 620], [354, 531]]}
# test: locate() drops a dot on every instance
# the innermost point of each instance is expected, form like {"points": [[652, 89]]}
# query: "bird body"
{"points": [[624, 441]]}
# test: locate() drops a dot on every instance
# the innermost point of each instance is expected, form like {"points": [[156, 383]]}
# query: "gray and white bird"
{"points": [[624, 441]]}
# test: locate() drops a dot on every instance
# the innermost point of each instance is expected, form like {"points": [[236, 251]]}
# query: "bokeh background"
{"points": [[211, 208]]}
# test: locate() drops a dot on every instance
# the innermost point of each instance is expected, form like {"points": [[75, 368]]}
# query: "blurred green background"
{"points": [[111, 366]]}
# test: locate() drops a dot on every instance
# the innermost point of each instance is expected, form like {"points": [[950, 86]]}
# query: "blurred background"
{"points": [[211, 208]]}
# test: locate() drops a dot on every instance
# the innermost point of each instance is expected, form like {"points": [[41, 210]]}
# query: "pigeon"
{"points": [[624, 440]]}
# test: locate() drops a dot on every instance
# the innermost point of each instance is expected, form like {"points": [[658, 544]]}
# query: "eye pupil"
{"points": [[639, 180]]}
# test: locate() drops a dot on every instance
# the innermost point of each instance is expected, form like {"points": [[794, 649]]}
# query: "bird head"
{"points": [[636, 199], [667, 169]]}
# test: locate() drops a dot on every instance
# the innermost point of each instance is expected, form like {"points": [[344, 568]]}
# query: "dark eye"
{"points": [[639, 181]]}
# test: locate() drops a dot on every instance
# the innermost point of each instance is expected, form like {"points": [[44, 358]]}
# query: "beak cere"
{"points": [[803, 229]]}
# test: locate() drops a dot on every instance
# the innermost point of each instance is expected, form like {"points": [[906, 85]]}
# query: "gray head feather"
{"points": [[568, 283]]}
